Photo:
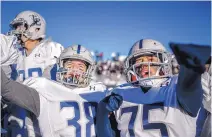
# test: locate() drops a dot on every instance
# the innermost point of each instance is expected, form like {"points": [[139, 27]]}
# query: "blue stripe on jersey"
{"points": [[201, 120], [78, 49], [14, 73], [22, 50], [53, 72], [141, 44]]}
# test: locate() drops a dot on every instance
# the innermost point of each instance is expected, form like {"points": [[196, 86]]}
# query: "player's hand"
{"points": [[113, 102], [191, 56]]}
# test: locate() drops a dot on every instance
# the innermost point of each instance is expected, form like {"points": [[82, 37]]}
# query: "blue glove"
{"points": [[191, 56]]}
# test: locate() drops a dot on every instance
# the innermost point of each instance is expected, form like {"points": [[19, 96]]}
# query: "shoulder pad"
{"points": [[54, 49]]}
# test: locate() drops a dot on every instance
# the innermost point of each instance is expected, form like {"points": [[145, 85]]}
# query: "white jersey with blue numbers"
{"points": [[156, 113], [42, 56], [66, 112], [20, 121]]}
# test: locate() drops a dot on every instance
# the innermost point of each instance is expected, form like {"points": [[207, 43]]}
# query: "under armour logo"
{"points": [[36, 20], [37, 55], [92, 87]]}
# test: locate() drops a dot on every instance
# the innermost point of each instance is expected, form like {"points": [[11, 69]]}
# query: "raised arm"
{"points": [[20, 94], [192, 59]]}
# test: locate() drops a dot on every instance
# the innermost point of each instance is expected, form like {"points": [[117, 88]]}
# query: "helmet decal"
{"points": [[36, 20]]}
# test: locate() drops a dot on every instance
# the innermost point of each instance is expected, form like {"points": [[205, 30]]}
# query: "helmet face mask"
{"points": [[19, 29], [19, 26], [73, 77], [75, 68], [147, 66]]}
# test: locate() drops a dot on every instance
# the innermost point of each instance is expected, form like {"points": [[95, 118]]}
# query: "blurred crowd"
{"points": [[110, 71]]}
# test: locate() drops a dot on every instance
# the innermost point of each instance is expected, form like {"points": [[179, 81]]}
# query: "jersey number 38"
{"points": [[89, 109]]}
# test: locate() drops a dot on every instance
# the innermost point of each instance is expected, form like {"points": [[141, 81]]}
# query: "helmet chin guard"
{"points": [[74, 78]]}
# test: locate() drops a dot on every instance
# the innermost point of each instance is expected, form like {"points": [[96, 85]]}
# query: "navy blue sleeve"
{"points": [[107, 105], [202, 115], [192, 59], [14, 73]]}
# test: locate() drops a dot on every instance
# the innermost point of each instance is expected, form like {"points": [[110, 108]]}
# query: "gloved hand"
{"points": [[191, 56], [107, 105]]}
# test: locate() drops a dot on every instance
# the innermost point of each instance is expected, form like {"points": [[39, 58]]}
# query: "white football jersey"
{"points": [[156, 113], [42, 56], [66, 112], [9, 53]]}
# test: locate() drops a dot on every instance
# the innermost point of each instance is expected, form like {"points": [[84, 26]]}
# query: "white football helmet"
{"points": [[79, 78], [147, 47], [30, 24]]}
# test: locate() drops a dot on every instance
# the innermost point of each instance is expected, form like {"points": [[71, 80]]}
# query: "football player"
{"points": [[65, 107], [36, 54], [154, 102], [9, 55]]}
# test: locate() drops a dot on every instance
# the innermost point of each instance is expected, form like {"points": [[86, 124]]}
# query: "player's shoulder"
{"points": [[5, 38], [124, 86], [52, 48], [166, 84], [48, 43], [42, 84], [7, 41], [93, 87], [39, 81], [120, 89], [9, 53], [55, 45], [97, 86]]}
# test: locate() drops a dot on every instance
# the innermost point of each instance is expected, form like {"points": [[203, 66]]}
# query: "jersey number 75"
{"points": [[145, 116]]}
